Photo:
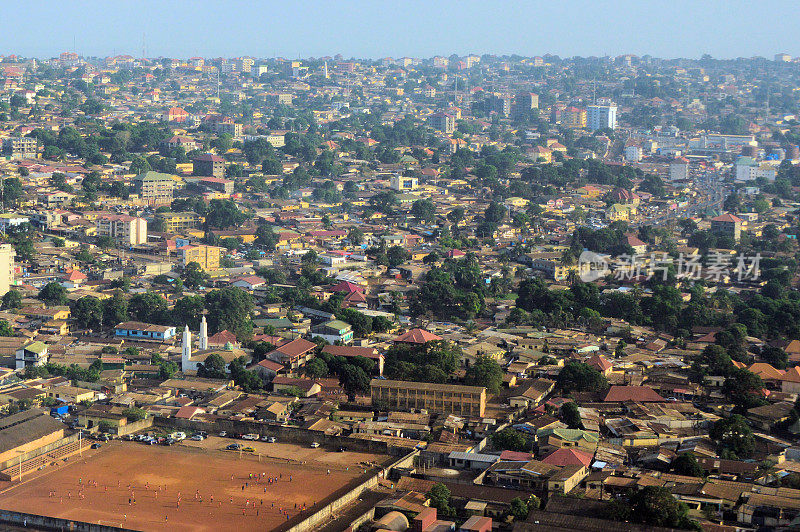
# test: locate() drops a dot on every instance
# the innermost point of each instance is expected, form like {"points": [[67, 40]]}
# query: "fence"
{"points": [[41, 522]]}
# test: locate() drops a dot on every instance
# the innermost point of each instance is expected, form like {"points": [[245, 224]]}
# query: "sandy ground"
{"points": [[173, 486]]}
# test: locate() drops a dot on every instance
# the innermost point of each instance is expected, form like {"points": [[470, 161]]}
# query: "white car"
{"points": [[315, 445]]}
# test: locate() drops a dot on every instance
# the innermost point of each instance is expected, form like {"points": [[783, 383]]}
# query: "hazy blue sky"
{"points": [[377, 28]]}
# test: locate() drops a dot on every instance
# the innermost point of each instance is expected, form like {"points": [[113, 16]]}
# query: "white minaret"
{"points": [[186, 349], [203, 339]]}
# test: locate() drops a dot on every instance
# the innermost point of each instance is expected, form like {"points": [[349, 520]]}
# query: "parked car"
{"points": [[197, 437], [315, 445], [233, 447], [248, 449], [222, 434], [96, 445]]}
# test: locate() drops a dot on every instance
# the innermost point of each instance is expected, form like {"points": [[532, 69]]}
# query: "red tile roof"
{"points": [[565, 457], [639, 394], [417, 336], [727, 217]]}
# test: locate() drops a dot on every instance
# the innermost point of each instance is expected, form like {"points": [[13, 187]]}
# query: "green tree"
{"points": [[223, 214], [485, 372], [733, 437], [494, 213], [189, 311], [316, 368], [115, 309], [439, 496], [53, 294], [577, 376], [194, 276], [519, 509], [571, 416], [396, 255], [213, 367], [510, 439], [424, 210], [687, 464], [12, 299], [230, 308], [354, 380], [87, 312], [149, 307], [6, 330], [655, 506], [355, 236]]}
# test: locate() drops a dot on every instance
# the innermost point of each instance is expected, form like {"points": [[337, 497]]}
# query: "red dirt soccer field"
{"points": [[96, 489]]}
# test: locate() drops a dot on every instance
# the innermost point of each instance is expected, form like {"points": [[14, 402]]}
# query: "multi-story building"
{"points": [[154, 188], [601, 117], [679, 169], [333, 331], [498, 104], [31, 354], [439, 398], [748, 169], [178, 222], [574, 117], [218, 184], [524, 102], [399, 182], [20, 147], [126, 230], [206, 256], [208, 164], [727, 225], [444, 122], [6, 267], [227, 127]]}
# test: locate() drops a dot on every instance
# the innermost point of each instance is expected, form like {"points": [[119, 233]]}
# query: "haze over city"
{"points": [[409, 267], [372, 29]]}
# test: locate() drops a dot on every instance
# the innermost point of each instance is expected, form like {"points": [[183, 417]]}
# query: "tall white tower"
{"points": [[186, 349], [203, 339]]}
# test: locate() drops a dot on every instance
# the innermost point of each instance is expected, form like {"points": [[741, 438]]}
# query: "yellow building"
{"points": [[440, 398], [178, 222], [574, 117], [206, 256]]}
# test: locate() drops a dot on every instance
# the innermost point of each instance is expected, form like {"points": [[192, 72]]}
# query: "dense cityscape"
{"points": [[453, 293]]}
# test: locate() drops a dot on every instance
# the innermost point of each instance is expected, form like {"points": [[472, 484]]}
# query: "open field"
{"points": [[173, 487]]}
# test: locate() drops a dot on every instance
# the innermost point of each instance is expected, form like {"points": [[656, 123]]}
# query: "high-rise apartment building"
{"points": [[124, 229], [154, 188], [206, 256], [6, 267], [601, 117]]}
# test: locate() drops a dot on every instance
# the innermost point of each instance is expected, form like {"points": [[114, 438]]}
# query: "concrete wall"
{"points": [[52, 523], [34, 449], [135, 426], [342, 497], [282, 433]]}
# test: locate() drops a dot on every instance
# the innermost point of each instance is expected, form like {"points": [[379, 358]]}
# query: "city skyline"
{"points": [[373, 30]]}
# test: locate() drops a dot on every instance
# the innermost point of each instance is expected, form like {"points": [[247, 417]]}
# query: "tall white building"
{"points": [[601, 116], [6, 267]]}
